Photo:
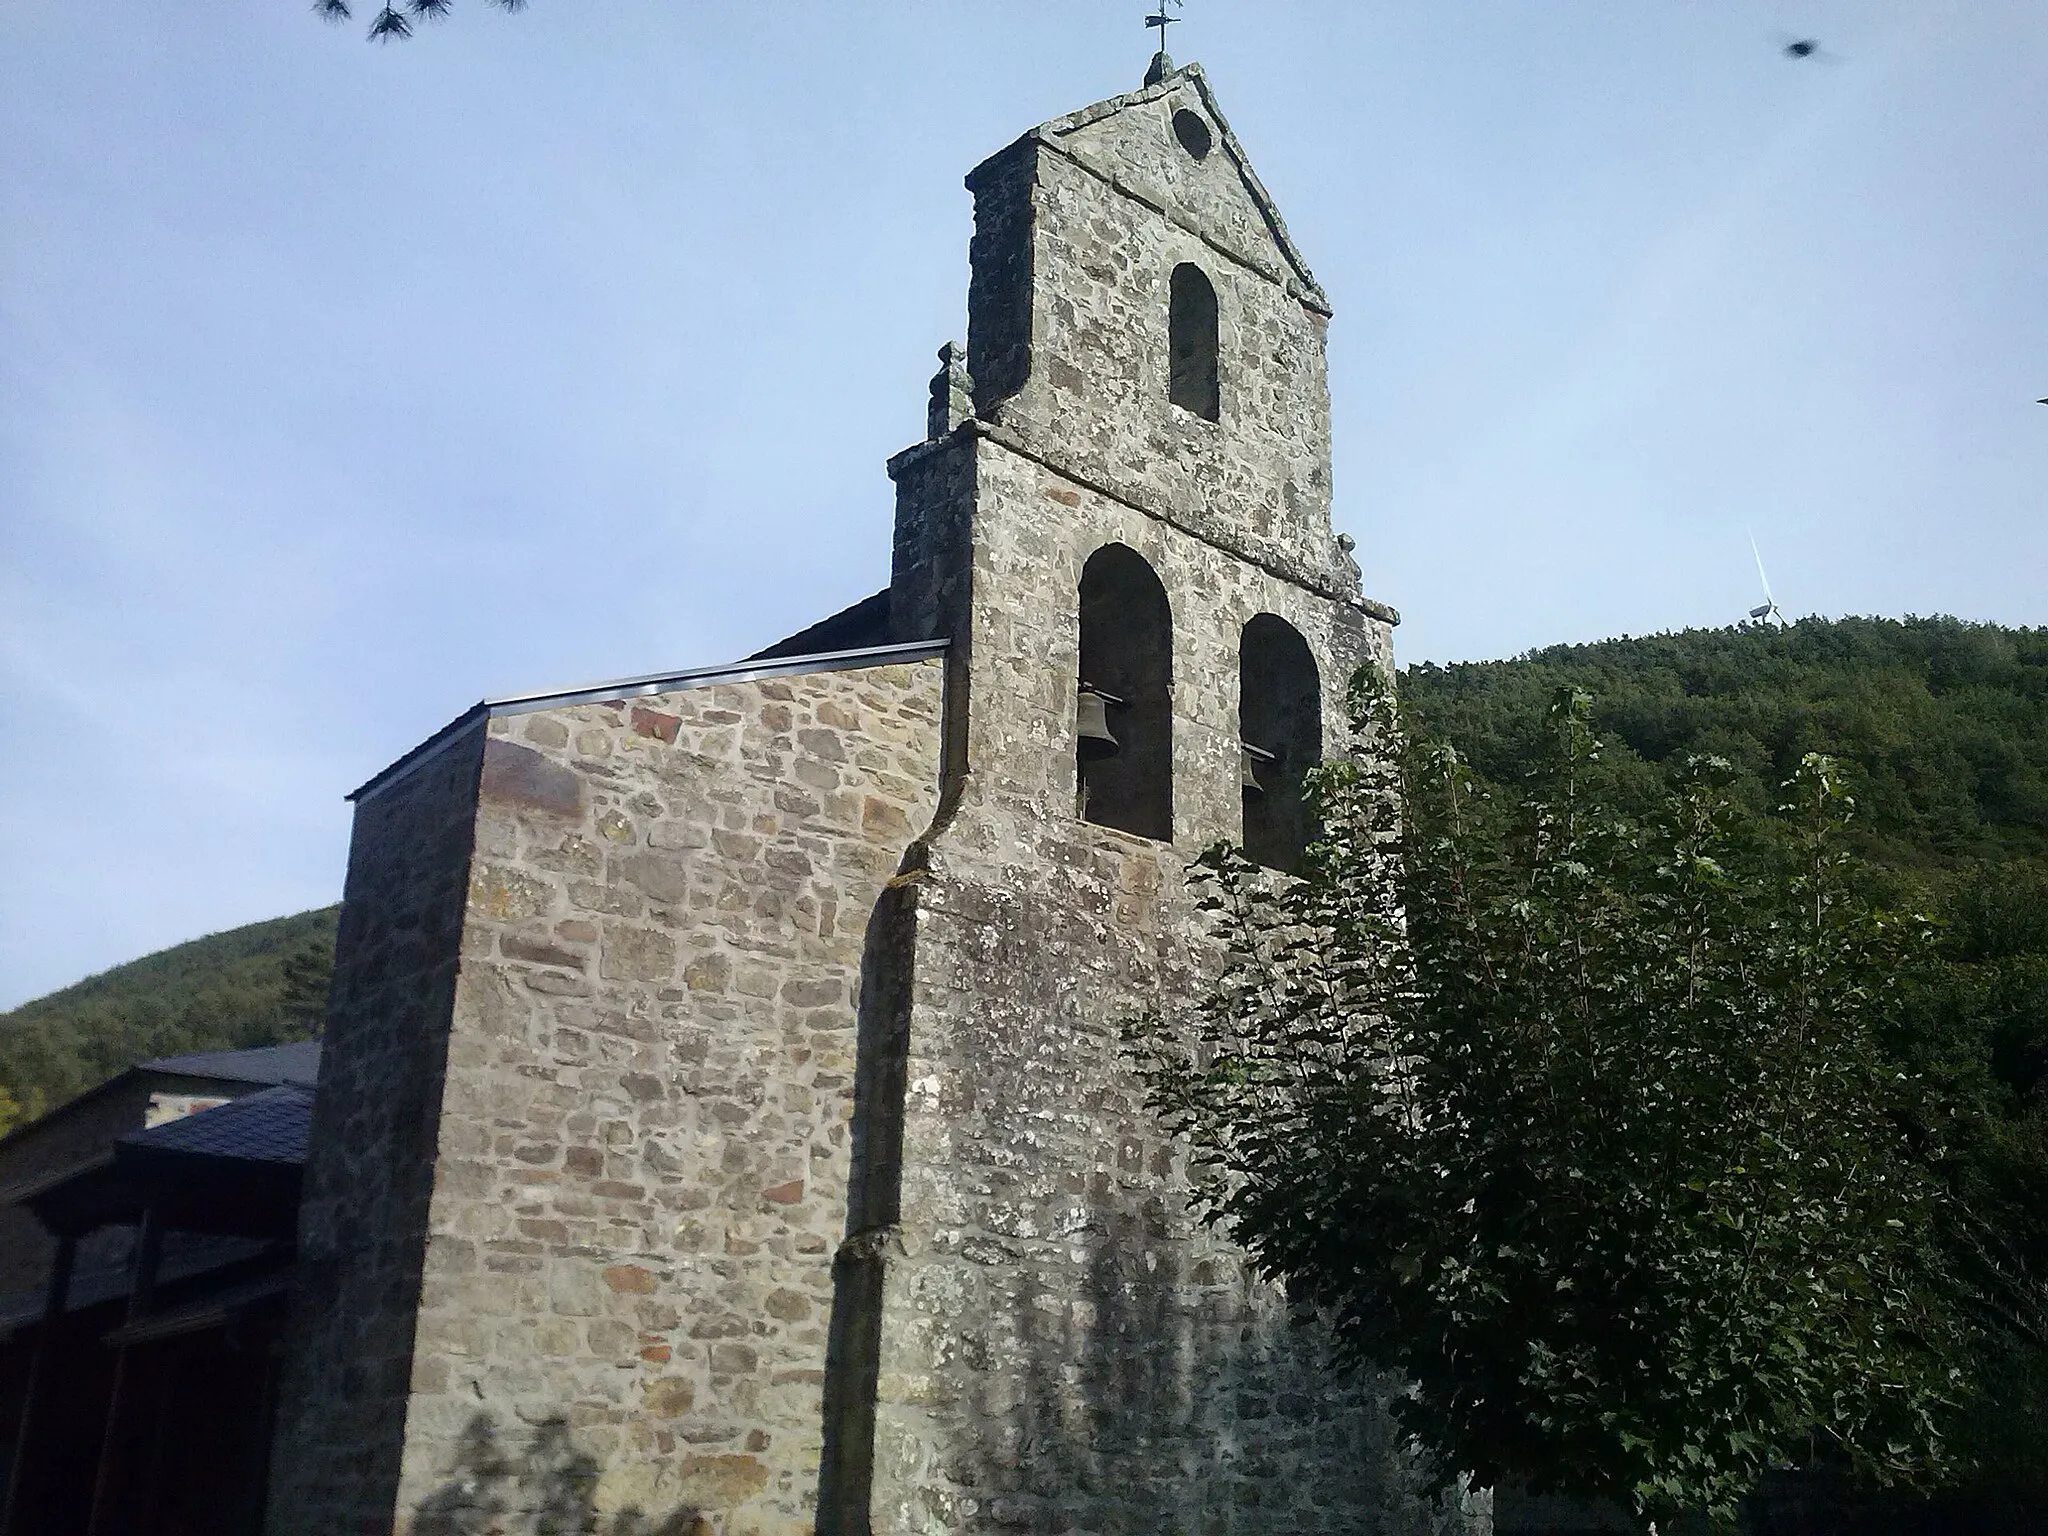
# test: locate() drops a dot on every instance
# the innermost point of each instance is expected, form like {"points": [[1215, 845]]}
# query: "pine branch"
{"points": [[395, 23]]}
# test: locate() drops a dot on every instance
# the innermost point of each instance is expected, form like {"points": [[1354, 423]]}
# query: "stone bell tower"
{"points": [[1121, 525], [723, 1128]]}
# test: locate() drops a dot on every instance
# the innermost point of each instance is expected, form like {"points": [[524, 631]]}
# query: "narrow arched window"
{"points": [[1191, 343], [1280, 722], [1123, 738]]}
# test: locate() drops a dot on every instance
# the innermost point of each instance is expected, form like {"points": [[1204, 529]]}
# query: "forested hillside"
{"points": [[260, 985], [1944, 725]]}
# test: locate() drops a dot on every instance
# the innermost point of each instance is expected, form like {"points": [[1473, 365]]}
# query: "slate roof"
{"points": [[864, 624], [267, 1127], [268, 1064]]}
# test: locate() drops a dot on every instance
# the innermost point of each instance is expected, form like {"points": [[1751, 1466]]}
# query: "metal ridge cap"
{"points": [[727, 672], [412, 757]]}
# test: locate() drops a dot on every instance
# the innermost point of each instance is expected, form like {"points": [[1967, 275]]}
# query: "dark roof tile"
{"points": [[267, 1127], [298, 1063], [865, 624]]}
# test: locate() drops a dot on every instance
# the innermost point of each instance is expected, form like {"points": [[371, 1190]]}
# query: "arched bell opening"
{"points": [[1280, 725], [1193, 340], [1123, 726]]}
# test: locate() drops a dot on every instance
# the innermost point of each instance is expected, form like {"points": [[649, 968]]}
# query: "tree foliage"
{"points": [[395, 22], [1584, 1120], [1940, 726], [1976, 1029], [1940, 730]]}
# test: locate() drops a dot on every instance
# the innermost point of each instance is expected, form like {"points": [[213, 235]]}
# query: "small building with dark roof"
{"points": [[78, 1133], [138, 1370]]}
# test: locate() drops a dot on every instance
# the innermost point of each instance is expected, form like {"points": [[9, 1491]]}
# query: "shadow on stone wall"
{"points": [[1198, 1397], [544, 1488], [1092, 1366], [1161, 1398]]}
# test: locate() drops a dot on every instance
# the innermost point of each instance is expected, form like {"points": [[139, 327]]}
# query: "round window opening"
{"points": [[1193, 133]]}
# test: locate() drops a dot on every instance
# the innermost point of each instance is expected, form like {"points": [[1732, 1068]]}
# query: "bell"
{"points": [[1248, 759], [1091, 728]]}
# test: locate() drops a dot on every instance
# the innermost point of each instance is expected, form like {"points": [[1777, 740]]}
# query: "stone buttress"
{"points": [[580, 1152]]}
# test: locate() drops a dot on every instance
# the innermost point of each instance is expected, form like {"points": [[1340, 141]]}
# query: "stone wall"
{"points": [[788, 1170], [371, 1164], [643, 1153]]}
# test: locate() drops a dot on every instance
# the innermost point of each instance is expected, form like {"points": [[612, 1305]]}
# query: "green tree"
{"points": [[1584, 1122], [307, 972], [1940, 726], [1977, 1028]]}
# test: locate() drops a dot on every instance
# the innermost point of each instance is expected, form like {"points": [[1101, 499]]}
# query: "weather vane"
{"points": [[1162, 19]]}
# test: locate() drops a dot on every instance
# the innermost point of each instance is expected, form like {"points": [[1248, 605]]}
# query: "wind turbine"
{"points": [[1768, 609]]}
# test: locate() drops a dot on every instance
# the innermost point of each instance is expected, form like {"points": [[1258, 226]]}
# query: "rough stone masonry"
{"points": [[724, 1128]]}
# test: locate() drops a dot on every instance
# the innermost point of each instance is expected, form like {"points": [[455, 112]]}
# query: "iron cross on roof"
{"points": [[1162, 19]]}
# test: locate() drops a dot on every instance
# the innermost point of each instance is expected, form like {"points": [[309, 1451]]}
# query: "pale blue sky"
{"points": [[342, 385]]}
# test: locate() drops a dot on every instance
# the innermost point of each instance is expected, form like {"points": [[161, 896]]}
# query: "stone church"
{"points": [[722, 1125]]}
